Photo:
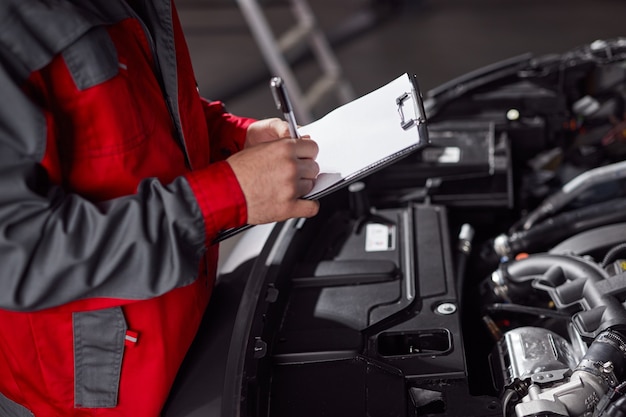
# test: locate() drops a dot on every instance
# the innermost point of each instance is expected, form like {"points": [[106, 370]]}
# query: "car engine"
{"points": [[484, 275]]}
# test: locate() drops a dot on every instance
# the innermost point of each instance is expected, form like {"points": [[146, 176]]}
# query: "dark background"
{"points": [[377, 40]]}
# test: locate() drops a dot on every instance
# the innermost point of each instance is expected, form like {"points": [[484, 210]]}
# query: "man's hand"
{"points": [[274, 174]]}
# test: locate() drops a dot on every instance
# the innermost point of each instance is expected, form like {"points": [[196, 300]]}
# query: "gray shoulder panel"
{"points": [[32, 32]]}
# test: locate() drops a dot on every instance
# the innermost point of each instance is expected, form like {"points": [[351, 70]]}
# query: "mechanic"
{"points": [[115, 179]]}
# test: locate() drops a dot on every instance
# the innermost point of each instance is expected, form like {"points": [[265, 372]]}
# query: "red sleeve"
{"points": [[220, 198], [227, 132]]}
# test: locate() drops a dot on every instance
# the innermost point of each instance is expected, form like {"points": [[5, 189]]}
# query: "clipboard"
{"points": [[363, 136], [368, 134]]}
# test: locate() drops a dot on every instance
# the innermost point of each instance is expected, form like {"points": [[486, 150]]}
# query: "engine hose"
{"points": [[608, 353], [561, 227], [608, 348], [521, 273], [570, 280], [573, 189], [522, 309], [614, 254], [602, 365], [539, 264]]}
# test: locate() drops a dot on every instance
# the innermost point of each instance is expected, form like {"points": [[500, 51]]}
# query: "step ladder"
{"points": [[275, 50]]}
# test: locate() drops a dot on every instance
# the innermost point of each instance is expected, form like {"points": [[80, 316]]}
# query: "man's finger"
{"points": [[306, 148], [304, 186], [306, 208], [308, 169]]}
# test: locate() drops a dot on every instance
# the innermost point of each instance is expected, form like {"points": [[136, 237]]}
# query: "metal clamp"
{"points": [[404, 122]]}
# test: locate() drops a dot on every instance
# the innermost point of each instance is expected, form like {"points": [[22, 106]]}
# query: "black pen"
{"points": [[279, 91]]}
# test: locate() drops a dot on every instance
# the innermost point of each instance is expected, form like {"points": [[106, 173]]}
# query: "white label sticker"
{"points": [[380, 237], [447, 155], [450, 155]]}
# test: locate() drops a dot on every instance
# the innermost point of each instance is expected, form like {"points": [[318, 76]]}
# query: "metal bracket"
{"points": [[404, 122]]}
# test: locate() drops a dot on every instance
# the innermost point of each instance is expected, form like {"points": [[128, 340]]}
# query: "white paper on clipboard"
{"points": [[367, 134]]}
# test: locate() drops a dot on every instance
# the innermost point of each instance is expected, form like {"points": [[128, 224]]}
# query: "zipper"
{"points": [[176, 121]]}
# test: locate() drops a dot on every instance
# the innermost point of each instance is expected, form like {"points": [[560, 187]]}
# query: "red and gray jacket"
{"points": [[112, 186]]}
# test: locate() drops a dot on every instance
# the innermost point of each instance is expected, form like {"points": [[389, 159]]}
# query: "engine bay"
{"points": [[482, 276]]}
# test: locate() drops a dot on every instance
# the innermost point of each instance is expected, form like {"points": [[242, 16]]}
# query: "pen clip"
{"points": [[280, 98], [283, 104]]}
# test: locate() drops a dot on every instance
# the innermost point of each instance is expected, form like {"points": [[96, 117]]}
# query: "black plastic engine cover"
{"points": [[340, 315], [374, 331]]}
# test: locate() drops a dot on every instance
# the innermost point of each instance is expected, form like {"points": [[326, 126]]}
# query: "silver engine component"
{"points": [[551, 374], [537, 354], [578, 397]]}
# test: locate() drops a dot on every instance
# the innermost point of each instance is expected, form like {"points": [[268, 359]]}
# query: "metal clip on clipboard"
{"points": [[418, 109]]}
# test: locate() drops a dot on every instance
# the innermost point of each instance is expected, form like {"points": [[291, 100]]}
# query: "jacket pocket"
{"points": [[9, 408], [98, 351], [92, 59]]}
